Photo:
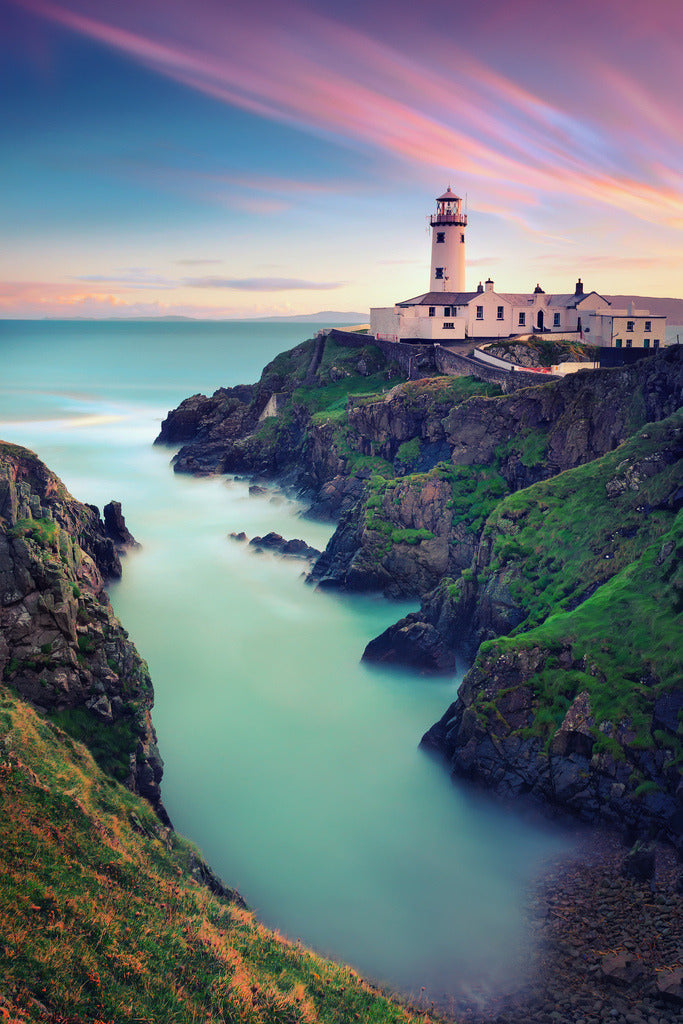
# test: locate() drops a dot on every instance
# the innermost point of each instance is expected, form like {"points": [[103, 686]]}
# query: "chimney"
{"points": [[579, 287], [489, 285], [538, 290], [480, 288]]}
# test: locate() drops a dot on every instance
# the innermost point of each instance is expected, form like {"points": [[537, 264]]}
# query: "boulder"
{"points": [[639, 862], [115, 526], [670, 986], [621, 969], [293, 548], [412, 643]]}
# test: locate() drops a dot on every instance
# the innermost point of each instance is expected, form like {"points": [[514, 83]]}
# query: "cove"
{"points": [[293, 766]]}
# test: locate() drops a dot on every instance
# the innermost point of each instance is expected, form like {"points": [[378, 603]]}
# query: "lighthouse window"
{"points": [[648, 325], [556, 319], [432, 310], [462, 238], [480, 312], [446, 310], [629, 343], [629, 325], [522, 319], [441, 236], [500, 313], [438, 273], [450, 326]]}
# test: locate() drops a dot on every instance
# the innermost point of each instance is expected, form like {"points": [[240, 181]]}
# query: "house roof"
{"points": [[440, 299], [569, 299]]}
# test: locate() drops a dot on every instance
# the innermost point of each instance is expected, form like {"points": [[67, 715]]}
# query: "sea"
{"points": [[292, 765]]}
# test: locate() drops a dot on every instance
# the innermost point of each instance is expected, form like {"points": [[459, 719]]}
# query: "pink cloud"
{"points": [[449, 113]]}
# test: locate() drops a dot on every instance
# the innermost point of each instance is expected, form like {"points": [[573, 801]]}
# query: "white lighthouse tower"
{"points": [[448, 244]]}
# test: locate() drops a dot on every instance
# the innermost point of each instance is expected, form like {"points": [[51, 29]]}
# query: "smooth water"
{"points": [[293, 766]]}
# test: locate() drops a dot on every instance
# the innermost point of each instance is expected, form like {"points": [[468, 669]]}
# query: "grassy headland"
{"points": [[105, 915]]}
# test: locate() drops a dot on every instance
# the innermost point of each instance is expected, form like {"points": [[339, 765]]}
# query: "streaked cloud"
{"points": [[263, 284], [133, 277], [292, 64], [197, 263]]}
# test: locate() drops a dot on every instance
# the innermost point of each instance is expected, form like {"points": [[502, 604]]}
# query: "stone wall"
{"points": [[456, 365], [415, 360]]}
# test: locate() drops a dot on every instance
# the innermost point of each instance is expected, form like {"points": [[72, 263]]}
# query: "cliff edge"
{"points": [[61, 646]]}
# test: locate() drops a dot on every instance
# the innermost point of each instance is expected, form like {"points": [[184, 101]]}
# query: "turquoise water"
{"points": [[294, 767]]}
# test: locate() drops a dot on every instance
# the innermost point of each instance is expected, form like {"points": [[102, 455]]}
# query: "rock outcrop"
{"points": [[61, 647], [512, 516], [295, 548]]}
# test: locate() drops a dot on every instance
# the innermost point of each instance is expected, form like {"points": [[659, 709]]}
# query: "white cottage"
{"points": [[448, 313]]}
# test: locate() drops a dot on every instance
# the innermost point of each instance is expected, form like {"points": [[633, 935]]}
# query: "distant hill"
{"points": [[671, 308], [330, 315]]}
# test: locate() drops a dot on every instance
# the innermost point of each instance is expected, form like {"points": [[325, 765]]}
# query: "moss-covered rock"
{"points": [[61, 647]]}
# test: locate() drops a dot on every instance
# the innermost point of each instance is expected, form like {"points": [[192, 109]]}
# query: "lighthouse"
{"points": [[448, 244]]}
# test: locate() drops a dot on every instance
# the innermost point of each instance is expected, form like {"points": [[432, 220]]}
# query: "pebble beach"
{"points": [[610, 948]]}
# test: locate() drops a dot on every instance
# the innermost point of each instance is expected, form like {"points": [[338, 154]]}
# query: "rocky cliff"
{"points": [[577, 702], [61, 647], [507, 515]]}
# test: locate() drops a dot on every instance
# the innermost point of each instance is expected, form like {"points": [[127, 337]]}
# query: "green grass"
{"points": [[476, 492], [409, 451], [42, 531], [628, 635], [555, 542], [332, 398], [101, 920], [110, 743]]}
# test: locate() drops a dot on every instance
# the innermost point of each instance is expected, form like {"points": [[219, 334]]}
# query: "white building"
{"points": [[448, 313]]}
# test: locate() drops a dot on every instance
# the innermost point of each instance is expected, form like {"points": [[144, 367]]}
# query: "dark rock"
{"points": [[412, 643], [255, 489], [293, 548], [670, 986], [574, 735], [622, 969], [115, 526], [239, 536], [61, 647], [202, 873], [639, 862], [667, 711]]}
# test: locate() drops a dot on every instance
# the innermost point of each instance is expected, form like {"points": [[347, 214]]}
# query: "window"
{"points": [[556, 319], [522, 319], [446, 310], [462, 238], [432, 310], [480, 312], [438, 273], [617, 343], [629, 343], [648, 325], [656, 343], [646, 342], [449, 326], [629, 325], [500, 313], [441, 236]]}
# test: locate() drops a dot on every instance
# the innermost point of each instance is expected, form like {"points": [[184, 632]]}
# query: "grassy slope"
{"points": [[603, 576], [100, 919], [326, 402]]}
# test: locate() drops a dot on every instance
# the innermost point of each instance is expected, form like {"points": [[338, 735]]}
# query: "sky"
{"points": [[225, 158]]}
